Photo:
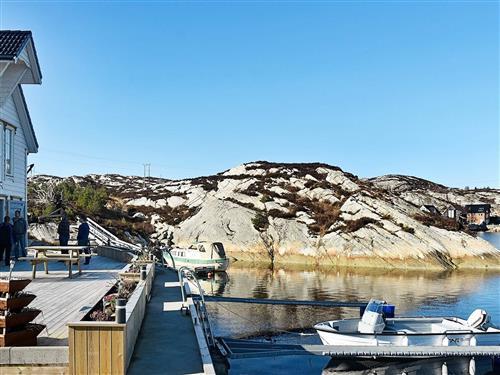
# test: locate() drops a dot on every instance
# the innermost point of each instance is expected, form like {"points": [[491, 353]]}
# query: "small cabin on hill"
{"points": [[455, 212], [18, 66], [478, 213]]}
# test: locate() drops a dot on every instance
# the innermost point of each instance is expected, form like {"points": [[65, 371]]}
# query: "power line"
{"points": [[103, 158]]}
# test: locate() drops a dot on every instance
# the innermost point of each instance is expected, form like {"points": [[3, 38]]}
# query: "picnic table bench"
{"points": [[46, 254]]}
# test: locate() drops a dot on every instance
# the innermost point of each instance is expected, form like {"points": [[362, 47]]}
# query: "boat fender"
{"points": [[444, 369], [472, 366]]}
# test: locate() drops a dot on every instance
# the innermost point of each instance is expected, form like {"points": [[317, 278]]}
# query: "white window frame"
{"points": [[12, 131]]}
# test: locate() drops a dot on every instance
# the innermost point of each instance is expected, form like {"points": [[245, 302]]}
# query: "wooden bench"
{"points": [[46, 254]]}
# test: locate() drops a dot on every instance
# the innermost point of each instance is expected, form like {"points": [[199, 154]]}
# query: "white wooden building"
{"points": [[18, 66]]}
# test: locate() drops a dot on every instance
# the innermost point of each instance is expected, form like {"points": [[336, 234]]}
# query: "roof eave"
{"points": [[29, 130]]}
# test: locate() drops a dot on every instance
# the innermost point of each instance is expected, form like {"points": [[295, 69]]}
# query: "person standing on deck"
{"points": [[6, 240], [83, 236], [63, 231], [20, 228]]}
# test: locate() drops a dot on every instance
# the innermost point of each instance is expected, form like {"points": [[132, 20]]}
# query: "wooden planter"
{"points": [[25, 337], [143, 262], [133, 276], [14, 285], [19, 318], [16, 303], [15, 326]]}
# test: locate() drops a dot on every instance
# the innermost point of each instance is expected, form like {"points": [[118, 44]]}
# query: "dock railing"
{"points": [[105, 237], [199, 303]]}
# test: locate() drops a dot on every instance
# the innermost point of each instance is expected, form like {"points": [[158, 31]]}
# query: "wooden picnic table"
{"points": [[44, 254]]}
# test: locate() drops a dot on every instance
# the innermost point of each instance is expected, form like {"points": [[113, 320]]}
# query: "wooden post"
{"points": [[97, 348]]}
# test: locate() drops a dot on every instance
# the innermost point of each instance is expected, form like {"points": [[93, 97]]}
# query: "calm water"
{"points": [[414, 293]]}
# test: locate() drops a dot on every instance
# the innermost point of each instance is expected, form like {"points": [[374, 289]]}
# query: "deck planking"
{"points": [[62, 299]]}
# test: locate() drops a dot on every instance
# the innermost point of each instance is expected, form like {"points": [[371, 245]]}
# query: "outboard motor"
{"points": [[478, 318], [372, 320]]}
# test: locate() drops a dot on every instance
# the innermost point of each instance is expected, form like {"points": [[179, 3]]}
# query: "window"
{"points": [[9, 150]]}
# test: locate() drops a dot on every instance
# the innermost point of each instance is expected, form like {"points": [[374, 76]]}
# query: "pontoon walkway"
{"points": [[167, 342]]}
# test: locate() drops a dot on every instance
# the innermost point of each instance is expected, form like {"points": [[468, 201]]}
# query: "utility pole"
{"points": [[147, 173]]}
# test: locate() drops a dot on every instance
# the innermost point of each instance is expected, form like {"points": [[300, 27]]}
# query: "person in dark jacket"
{"points": [[6, 240], [83, 236], [20, 228], [63, 231]]}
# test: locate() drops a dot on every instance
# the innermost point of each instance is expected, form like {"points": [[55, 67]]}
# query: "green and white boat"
{"points": [[200, 257]]}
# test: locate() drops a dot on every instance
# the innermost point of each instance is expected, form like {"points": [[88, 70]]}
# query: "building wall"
{"points": [[477, 218], [12, 187]]}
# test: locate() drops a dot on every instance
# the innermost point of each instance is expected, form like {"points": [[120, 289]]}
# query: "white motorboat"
{"points": [[374, 329], [201, 257]]}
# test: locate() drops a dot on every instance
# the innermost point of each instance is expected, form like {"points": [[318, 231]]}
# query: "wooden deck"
{"points": [[64, 300]]}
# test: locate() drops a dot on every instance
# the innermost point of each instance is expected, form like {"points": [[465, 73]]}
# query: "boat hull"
{"points": [[197, 264], [431, 339], [218, 265]]}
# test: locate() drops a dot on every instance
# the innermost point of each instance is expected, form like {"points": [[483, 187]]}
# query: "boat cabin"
{"points": [[205, 250]]}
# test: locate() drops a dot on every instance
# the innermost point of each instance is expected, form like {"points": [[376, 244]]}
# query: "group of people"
{"points": [[13, 237], [82, 237]]}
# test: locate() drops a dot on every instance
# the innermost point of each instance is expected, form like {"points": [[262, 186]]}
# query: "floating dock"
{"points": [[239, 349], [170, 342]]}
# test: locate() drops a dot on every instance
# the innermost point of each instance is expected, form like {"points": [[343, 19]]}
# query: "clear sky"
{"points": [[195, 88]]}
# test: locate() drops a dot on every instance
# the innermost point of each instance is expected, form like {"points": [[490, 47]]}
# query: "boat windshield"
{"points": [[375, 306], [219, 249]]}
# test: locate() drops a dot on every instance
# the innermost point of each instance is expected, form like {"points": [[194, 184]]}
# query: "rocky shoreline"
{"points": [[308, 213], [429, 264]]}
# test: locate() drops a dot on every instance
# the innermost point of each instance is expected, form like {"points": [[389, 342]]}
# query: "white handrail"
{"points": [[171, 257], [203, 315], [106, 237]]}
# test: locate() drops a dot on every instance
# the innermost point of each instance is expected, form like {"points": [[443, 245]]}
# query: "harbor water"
{"points": [[415, 293]]}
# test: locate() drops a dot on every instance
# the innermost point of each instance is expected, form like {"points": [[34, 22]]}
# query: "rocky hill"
{"points": [[299, 213]]}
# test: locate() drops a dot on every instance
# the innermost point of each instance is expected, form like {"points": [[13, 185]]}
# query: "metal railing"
{"points": [[185, 272], [105, 237], [163, 251]]}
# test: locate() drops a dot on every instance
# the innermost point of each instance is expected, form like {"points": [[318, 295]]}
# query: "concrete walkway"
{"points": [[167, 342]]}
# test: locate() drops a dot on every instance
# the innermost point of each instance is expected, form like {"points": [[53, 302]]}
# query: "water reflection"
{"points": [[413, 293], [215, 285]]}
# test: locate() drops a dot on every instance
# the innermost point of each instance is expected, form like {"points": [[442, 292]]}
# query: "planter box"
{"points": [[13, 285], [16, 303], [87, 358], [25, 337], [17, 319], [143, 262], [133, 276]]}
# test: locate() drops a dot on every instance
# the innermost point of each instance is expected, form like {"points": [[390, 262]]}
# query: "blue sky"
{"points": [[195, 88]]}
